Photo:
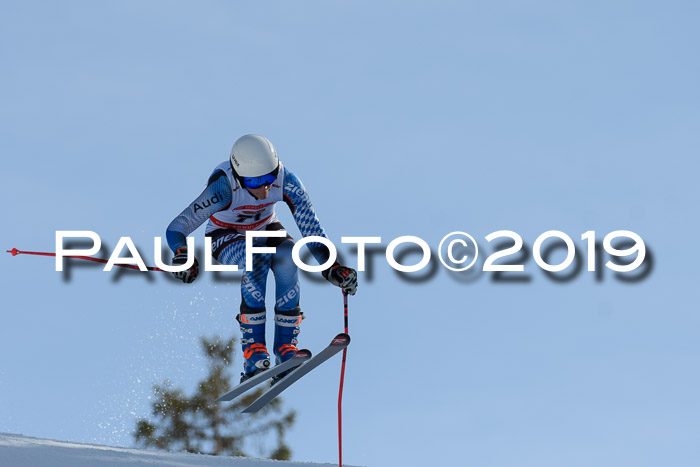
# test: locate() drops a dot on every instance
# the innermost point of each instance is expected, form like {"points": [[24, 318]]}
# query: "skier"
{"points": [[240, 195]]}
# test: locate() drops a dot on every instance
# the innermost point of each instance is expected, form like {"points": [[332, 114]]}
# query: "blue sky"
{"points": [[401, 118]]}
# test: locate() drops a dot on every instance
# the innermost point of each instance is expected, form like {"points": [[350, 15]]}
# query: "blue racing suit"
{"points": [[231, 211]]}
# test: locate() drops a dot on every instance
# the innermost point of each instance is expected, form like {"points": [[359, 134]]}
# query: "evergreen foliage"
{"points": [[198, 424]]}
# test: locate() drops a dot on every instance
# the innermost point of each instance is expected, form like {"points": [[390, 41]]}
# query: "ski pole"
{"points": [[342, 379], [16, 252]]}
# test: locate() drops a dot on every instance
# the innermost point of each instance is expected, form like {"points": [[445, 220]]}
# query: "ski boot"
{"points": [[287, 328], [256, 357]]}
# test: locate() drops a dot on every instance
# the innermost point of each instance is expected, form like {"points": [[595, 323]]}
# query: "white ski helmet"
{"points": [[253, 156]]}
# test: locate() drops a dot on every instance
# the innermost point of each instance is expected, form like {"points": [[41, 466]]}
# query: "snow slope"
{"points": [[22, 451]]}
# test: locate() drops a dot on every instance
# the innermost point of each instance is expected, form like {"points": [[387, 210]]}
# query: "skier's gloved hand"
{"points": [[189, 275], [343, 277]]}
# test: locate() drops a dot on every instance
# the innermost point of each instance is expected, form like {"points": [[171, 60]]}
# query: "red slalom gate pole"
{"points": [[342, 380], [16, 252]]}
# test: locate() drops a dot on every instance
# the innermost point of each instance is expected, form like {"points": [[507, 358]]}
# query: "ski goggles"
{"points": [[257, 182]]}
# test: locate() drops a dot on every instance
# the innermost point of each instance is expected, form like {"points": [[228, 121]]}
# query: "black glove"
{"points": [[345, 278], [188, 276]]}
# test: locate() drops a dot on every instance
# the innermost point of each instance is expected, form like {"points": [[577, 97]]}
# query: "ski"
{"points": [[338, 343], [299, 357]]}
